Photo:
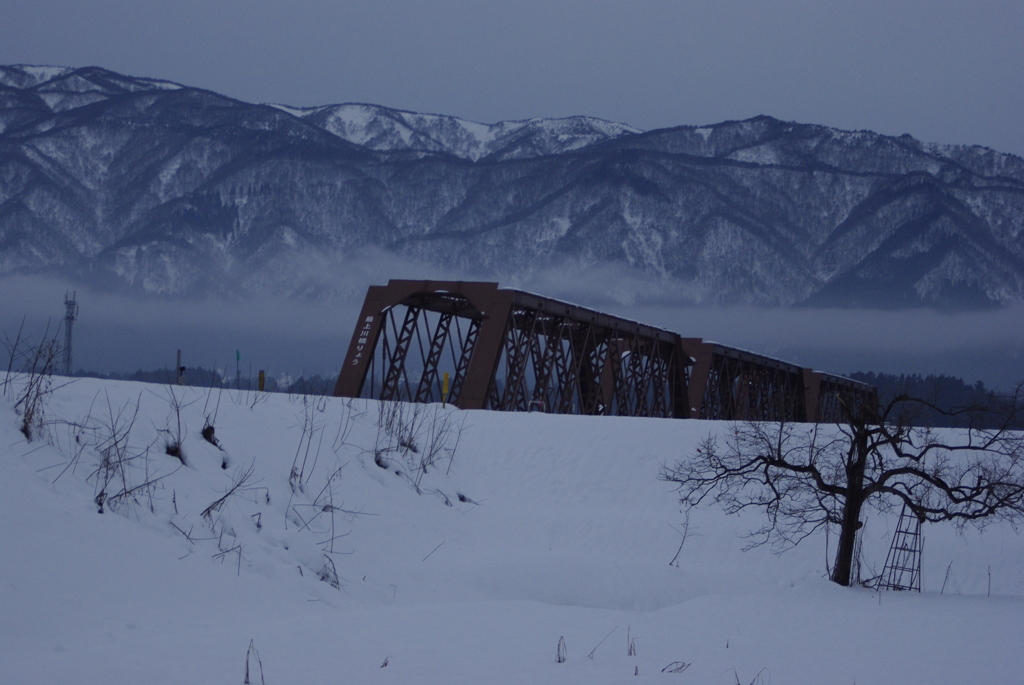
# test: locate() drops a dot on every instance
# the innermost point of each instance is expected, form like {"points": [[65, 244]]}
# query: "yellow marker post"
{"points": [[444, 391]]}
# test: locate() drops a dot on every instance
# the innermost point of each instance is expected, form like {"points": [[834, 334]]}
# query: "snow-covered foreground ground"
{"points": [[537, 528]]}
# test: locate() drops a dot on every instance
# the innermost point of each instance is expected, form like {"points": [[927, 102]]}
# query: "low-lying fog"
{"points": [[116, 332]]}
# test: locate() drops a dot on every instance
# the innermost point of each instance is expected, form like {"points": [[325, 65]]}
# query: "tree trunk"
{"points": [[843, 571]]}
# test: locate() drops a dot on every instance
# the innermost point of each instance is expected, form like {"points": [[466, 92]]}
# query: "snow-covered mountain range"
{"points": [[144, 185]]}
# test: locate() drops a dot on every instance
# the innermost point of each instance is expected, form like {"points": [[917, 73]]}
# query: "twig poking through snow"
{"points": [[250, 680], [187, 536], [591, 655], [240, 482], [684, 533], [676, 667], [434, 550]]}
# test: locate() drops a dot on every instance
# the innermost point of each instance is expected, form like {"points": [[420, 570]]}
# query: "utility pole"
{"points": [[70, 314]]}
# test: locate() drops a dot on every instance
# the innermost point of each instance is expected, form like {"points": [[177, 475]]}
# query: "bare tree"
{"points": [[806, 477]]}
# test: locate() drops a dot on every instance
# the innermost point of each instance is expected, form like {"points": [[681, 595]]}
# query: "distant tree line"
{"points": [[314, 384], [944, 394]]}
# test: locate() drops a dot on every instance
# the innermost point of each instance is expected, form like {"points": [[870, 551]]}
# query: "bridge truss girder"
{"points": [[513, 351]]}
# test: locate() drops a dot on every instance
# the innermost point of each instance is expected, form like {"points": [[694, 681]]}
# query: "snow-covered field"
{"points": [[535, 528]]}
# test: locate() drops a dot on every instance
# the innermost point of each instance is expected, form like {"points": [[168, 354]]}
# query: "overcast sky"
{"points": [[950, 72]]}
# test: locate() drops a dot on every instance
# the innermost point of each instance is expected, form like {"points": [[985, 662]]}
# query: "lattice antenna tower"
{"points": [[70, 314]]}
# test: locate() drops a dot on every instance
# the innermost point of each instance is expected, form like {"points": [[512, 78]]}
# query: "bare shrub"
{"points": [[209, 433], [210, 418], [30, 370], [174, 431], [418, 436], [329, 574], [123, 474], [310, 443], [241, 482]]}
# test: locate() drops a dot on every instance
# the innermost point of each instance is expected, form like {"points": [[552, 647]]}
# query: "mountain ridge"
{"points": [[149, 186]]}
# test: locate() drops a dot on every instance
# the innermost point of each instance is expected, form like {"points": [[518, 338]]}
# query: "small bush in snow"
{"points": [[34, 366]]}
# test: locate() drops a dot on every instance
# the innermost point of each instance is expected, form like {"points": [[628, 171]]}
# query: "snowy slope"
{"points": [[562, 530]]}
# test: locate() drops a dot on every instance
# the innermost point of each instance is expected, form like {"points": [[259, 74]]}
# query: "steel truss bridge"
{"points": [[514, 351]]}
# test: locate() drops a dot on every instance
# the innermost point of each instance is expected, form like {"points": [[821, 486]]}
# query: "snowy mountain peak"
{"points": [[373, 126], [77, 80], [30, 76], [386, 129]]}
